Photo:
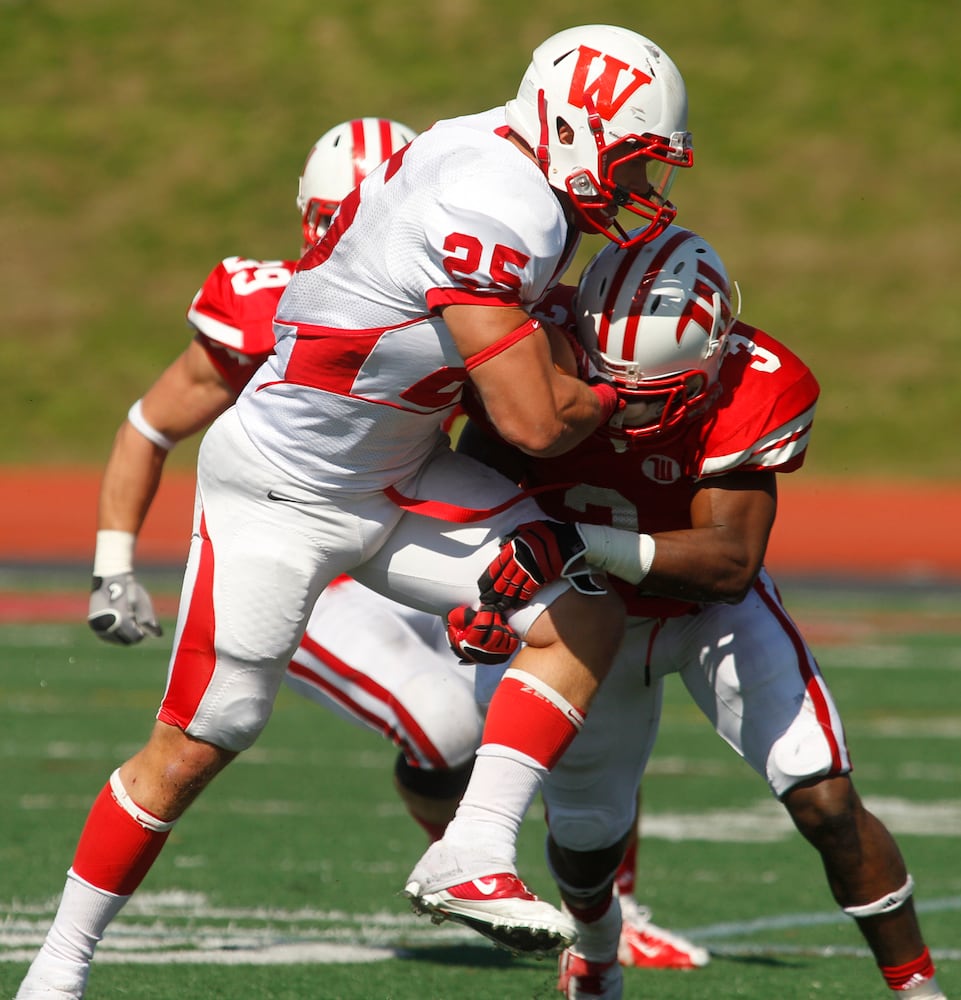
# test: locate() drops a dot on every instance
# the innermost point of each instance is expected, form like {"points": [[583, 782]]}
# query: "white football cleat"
{"points": [[496, 904], [51, 979], [644, 945], [580, 978]]}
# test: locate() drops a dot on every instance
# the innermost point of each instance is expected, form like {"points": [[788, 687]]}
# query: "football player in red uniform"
{"points": [[675, 499], [232, 319]]}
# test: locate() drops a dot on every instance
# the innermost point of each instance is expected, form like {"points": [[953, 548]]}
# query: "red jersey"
{"points": [[233, 314], [761, 421]]}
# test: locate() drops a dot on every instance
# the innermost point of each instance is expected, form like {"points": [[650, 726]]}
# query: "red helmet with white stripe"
{"points": [[339, 160], [655, 319]]}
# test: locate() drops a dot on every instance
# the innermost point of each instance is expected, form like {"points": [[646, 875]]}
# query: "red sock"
{"points": [[116, 850], [901, 977], [528, 715]]}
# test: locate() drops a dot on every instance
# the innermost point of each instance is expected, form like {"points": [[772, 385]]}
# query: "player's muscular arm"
{"points": [[717, 559], [186, 397], [183, 400], [532, 404]]}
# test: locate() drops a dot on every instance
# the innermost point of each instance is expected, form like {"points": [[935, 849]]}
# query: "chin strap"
{"points": [[543, 149]]}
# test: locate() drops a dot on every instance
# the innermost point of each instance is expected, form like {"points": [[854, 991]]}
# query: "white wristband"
{"points": [[140, 422], [114, 553], [622, 553]]}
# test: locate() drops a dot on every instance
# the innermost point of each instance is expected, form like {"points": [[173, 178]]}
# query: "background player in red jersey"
{"points": [[232, 318], [371, 660], [675, 500]]}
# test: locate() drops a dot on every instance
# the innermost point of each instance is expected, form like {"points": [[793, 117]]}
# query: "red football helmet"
{"points": [[655, 319], [339, 160]]}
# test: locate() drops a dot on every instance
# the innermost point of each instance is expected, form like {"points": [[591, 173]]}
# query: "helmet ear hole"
{"points": [[565, 134]]}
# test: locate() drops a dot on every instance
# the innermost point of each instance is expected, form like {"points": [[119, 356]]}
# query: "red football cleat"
{"points": [[644, 945], [497, 905]]}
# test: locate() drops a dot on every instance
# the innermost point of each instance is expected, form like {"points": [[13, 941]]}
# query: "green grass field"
{"points": [[283, 881], [143, 143]]}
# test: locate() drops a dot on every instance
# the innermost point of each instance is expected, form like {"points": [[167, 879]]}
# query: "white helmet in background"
{"points": [[623, 100], [339, 160], [655, 319]]}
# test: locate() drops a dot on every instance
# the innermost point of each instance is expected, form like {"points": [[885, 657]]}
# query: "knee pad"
{"points": [[446, 715], [234, 720], [591, 831], [433, 784], [584, 874], [800, 753]]}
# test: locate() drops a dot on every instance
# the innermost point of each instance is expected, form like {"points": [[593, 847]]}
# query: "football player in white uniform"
{"points": [[333, 461], [372, 661], [232, 316], [715, 410]]}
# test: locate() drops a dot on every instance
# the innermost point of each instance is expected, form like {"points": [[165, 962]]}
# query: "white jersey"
{"points": [[365, 371]]}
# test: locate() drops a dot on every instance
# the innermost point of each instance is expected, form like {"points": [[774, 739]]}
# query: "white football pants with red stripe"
{"points": [[389, 668], [751, 673], [264, 548]]}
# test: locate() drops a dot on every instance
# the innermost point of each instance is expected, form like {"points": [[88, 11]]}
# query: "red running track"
{"points": [[855, 529]]}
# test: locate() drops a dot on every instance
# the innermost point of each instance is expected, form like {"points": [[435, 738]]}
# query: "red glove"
{"points": [[608, 398], [532, 555], [481, 636]]}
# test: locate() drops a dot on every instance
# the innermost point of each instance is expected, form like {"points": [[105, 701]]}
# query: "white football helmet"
{"points": [[622, 101], [339, 160], [655, 319]]}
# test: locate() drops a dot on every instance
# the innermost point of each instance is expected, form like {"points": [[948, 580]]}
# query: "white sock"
{"points": [[80, 922], [501, 788], [928, 990], [597, 941]]}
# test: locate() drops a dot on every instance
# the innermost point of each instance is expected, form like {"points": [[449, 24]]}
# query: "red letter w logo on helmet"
{"points": [[602, 90]]}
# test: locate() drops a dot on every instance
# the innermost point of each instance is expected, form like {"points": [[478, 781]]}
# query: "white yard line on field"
{"points": [[182, 928]]}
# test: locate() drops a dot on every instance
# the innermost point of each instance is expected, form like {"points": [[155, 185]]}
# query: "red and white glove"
{"points": [[481, 635], [534, 554]]}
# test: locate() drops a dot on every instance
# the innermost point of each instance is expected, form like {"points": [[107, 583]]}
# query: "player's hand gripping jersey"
{"points": [[761, 420], [360, 321], [665, 319]]}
